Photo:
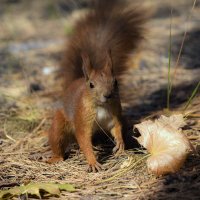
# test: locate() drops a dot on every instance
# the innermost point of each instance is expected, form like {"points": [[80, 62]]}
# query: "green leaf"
{"points": [[35, 189], [66, 187]]}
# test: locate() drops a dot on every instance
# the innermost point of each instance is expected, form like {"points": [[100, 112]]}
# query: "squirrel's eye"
{"points": [[91, 85], [115, 83]]}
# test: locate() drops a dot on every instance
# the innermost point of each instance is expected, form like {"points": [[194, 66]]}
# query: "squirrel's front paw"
{"points": [[55, 159], [119, 148], [96, 167]]}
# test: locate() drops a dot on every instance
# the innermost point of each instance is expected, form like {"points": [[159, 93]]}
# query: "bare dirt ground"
{"points": [[32, 37]]}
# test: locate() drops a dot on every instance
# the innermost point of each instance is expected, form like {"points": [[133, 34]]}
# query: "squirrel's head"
{"points": [[101, 83]]}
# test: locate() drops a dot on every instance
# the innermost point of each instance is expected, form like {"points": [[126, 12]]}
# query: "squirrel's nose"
{"points": [[109, 96]]}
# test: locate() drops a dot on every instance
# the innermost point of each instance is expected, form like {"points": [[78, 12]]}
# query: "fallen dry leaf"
{"points": [[166, 143], [34, 189]]}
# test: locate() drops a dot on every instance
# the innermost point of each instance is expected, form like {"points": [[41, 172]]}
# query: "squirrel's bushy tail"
{"points": [[114, 25]]}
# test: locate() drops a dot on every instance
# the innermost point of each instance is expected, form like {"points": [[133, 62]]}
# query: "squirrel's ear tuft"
{"points": [[109, 63], [86, 65]]}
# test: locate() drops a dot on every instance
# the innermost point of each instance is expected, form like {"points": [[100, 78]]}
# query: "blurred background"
{"points": [[33, 35]]}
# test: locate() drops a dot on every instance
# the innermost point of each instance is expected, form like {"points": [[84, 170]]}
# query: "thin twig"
{"points": [[13, 153], [193, 137], [104, 132], [39, 126], [8, 136]]}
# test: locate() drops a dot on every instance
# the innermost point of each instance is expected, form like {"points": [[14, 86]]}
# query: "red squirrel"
{"points": [[95, 57]]}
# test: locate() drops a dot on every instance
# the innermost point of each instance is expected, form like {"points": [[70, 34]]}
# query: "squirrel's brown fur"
{"points": [[96, 54], [111, 24]]}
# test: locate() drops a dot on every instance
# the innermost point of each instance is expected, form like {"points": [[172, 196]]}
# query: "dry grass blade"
{"points": [[194, 92], [5, 133], [121, 172], [183, 40], [169, 84]]}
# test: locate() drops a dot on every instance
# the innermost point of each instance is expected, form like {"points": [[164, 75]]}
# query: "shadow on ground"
{"points": [[157, 101], [190, 56]]}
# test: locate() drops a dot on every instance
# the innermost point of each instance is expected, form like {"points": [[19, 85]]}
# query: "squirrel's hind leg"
{"points": [[59, 137]]}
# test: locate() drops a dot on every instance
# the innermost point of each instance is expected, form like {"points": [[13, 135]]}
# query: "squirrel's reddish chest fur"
{"points": [[100, 115]]}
